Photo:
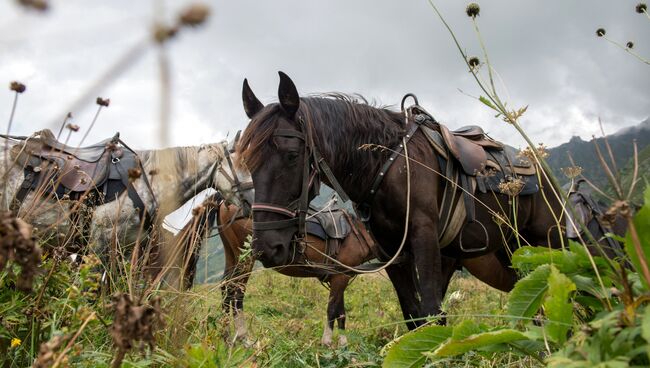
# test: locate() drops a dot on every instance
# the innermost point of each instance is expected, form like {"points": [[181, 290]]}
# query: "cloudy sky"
{"points": [[545, 52]]}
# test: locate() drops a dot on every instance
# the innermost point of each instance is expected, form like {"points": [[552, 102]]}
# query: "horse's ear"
{"points": [[251, 104], [288, 95]]}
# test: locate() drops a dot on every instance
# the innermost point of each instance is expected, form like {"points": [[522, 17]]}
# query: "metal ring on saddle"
{"points": [[470, 250], [406, 96]]}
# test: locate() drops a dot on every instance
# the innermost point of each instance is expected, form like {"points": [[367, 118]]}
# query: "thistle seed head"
{"points": [[629, 45], [17, 87], [641, 8], [473, 10], [194, 15], [600, 32], [103, 101]]}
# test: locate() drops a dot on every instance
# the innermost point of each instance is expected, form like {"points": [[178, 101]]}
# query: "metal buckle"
{"points": [[115, 160]]}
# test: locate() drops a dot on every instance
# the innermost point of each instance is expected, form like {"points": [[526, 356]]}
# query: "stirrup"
{"points": [[472, 250]]}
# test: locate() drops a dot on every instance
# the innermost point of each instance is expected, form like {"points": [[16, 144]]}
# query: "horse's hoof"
{"points": [[343, 341], [326, 341]]}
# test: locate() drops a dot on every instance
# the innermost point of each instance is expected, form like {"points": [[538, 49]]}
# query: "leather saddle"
{"points": [[468, 145], [76, 169]]}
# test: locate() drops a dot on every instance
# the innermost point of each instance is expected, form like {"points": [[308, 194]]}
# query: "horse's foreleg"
{"points": [[423, 240], [403, 278], [336, 310]]}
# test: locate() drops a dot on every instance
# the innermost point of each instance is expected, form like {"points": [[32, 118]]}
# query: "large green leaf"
{"points": [[558, 306], [529, 258], [526, 297], [455, 347], [642, 226], [464, 329], [408, 350]]}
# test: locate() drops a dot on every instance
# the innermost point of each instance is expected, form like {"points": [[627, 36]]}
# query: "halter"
{"points": [[313, 166]]}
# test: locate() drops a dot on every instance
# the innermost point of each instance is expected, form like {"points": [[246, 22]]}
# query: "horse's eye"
{"points": [[292, 156]]}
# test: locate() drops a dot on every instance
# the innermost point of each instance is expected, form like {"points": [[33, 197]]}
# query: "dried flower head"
{"points": [[529, 154], [18, 245], [512, 186], [47, 353], [162, 33], [40, 5], [600, 32], [103, 101], [641, 8], [629, 45], [617, 208], [572, 172], [153, 172], [473, 62], [134, 173], [194, 15], [473, 10], [17, 87], [134, 322], [73, 127]]}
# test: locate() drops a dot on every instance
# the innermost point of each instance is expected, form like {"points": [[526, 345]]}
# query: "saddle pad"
{"points": [[333, 222]]}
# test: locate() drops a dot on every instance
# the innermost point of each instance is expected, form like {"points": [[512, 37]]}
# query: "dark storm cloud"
{"points": [[545, 52]]}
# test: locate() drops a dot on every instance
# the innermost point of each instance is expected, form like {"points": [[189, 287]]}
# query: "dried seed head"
{"points": [[473, 10], [134, 322], [17, 87], [103, 101], [511, 186], [162, 33], [629, 45], [600, 32], [69, 116], [194, 15], [153, 172], [572, 172], [134, 173], [73, 127], [40, 5], [641, 8], [17, 244], [474, 62]]}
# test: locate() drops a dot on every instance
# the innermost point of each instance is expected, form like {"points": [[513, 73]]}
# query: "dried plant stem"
{"points": [[6, 147], [165, 96], [635, 172], [74, 338], [112, 73], [92, 124], [627, 49]]}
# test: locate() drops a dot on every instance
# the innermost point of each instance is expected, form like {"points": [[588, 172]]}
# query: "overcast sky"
{"points": [[546, 53]]}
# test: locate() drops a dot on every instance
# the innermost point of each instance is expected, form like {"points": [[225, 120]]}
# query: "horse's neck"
{"points": [[176, 181], [353, 163]]}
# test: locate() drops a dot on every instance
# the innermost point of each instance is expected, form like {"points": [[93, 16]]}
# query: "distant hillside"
{"points": [[643, 175], [584, 153]]}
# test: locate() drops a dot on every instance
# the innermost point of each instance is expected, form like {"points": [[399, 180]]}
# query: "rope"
{"points": [[406, 221]]}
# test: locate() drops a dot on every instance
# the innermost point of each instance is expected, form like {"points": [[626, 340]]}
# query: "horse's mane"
{"points": [[176, 160], [334, 116]]}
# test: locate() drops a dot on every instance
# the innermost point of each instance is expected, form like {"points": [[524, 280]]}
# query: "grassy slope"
{"points": [[285, 317]]}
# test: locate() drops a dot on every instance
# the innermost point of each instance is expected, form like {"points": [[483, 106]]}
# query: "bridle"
{"points": [[238, 187], [313, 166]]}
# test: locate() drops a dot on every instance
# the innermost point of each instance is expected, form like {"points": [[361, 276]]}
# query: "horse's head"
{"points": [[276, 148]]}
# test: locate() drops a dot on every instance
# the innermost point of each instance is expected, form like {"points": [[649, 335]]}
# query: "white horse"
{"points": [[175, 176]]}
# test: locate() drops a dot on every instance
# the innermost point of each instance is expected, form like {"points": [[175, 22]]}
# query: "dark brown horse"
{"points": [[289, 145], [235, 230]]}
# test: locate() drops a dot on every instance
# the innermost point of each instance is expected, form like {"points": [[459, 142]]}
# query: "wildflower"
{"points": [[474, 61], [17, 87], [641, 8], [15, 342], [162, 33], [629, 45], [600, 32], [103, 101], [473, 10], [194, 15], [73, 127]]}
